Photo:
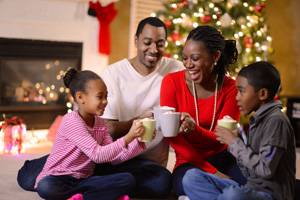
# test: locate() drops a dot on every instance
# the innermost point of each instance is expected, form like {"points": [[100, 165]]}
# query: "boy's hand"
{"points": [[137, 130], [188, 123], [225, 135]]}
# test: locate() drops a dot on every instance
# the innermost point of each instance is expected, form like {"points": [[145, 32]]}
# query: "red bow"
{"points": [[105, 16], [13, 121]]}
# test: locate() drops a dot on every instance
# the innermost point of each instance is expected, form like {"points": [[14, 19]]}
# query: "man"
{"points": [[133, 90]]}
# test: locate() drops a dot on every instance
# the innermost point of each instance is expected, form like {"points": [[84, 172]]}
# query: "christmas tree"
{"points": [[241, 20]]}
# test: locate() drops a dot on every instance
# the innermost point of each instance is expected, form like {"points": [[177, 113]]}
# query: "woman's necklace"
{"points": [[196, 106]]}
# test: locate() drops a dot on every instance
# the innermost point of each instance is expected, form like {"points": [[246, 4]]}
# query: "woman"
{"points": [[203, 94]]}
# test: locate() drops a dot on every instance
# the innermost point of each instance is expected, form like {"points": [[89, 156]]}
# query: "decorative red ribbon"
{"points": [[13, 121], [105, 16]]}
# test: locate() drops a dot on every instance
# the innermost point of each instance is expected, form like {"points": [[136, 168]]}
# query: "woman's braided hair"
{"points": [[213, 41]]}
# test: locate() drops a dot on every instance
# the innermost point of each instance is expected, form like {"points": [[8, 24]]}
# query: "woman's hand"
{"points": [[221, 175], [188, 123]]}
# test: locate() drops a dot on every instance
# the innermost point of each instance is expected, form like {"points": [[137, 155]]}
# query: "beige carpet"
{"points": [[10, 164]]}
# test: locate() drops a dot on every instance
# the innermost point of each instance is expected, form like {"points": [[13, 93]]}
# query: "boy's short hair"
{"points": [[153, 21], [262, 75]]}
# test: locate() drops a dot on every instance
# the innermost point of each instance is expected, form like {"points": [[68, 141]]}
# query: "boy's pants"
{"points": [[199, 184]]}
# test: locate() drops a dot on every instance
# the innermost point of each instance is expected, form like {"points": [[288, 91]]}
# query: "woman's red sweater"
{"points": [[201, 144]]}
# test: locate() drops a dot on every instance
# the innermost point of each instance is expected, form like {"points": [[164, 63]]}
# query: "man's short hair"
{"points": [[153, 21], [262, 75]]}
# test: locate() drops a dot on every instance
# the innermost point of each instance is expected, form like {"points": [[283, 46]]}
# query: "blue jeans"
{"points": [[223, 161], [152, 180], [199, 184], [108, 187]]}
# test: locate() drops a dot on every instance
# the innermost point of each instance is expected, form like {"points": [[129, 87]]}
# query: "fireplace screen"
{"points": [[31, 79], [27, 82]]}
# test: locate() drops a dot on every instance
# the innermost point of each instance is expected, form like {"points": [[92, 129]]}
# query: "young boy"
{"points": [[268, 160]]}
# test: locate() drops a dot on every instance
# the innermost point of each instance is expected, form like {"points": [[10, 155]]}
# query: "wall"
{"points": [[120, 32], [67, 20], [283, 19], [59, 20]]}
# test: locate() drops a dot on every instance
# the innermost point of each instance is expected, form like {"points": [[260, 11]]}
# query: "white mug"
{"points": [[170, 123], [158, 110]]}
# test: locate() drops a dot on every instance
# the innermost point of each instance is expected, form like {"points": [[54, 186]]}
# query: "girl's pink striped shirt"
{"points": [[77, 148]]}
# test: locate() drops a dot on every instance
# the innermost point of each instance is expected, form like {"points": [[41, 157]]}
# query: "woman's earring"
{"points": [[215, 63]]}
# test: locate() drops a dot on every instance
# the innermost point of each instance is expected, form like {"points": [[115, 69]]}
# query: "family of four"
{"points": [[103, 157]]}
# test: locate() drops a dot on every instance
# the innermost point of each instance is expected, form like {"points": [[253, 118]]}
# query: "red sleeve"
{"points": [[180, 144], [227, 105], [168, 93]]}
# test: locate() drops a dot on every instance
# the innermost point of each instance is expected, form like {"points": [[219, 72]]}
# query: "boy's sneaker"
{"points": [[183, 197]]}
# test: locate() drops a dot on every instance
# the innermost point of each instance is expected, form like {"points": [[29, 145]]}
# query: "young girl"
{"points": [[83, 140]]}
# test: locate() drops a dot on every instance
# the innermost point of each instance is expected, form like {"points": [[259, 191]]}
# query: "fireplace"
{"points": [[31, 79]]}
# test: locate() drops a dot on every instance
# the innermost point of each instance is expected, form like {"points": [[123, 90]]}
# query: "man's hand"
{"points": [[146, 114]]}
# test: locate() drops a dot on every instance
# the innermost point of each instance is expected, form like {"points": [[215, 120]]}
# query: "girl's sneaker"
{"points": [[125, 197], [76, 197]]}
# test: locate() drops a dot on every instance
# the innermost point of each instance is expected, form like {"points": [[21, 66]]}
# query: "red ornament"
{"points": [[167, 55], [263, 5], [168, 23], [175, 36], [248, 41], [257, 8], [206, 19], [175, 8]]}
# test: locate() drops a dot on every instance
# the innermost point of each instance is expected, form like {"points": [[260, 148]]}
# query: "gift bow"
{"points": [[13, 121]]}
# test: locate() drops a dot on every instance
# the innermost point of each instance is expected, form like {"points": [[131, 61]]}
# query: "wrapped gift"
{"points": [[13, 134]]}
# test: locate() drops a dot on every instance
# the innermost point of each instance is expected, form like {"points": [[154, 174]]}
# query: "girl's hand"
{"points": [[225, 135], [154, 135], [137, 130], [188, 123]]}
